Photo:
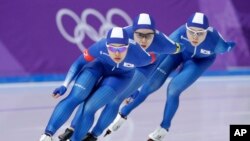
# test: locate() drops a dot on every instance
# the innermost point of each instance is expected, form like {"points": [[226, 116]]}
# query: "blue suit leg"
{"points": [[111, 110], [78, 115], [81, 89], [110, 87], [155, 81], [191, 71], [106, 118], [103, 95]]}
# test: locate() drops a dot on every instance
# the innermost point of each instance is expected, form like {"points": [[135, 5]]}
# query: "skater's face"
{"points": [[196, 35], [117, 52], [144, 37]]}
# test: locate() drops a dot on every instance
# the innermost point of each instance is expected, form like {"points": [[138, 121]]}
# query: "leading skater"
{"points": [[114, 59]]}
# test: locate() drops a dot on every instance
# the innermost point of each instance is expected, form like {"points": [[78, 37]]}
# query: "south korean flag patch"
{"points": [[203, 51]]}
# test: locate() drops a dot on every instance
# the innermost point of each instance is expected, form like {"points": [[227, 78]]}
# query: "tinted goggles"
{"points": [[115, 49]]}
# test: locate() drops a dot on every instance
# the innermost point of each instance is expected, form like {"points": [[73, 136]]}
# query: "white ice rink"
{"points": [[206, 110]]}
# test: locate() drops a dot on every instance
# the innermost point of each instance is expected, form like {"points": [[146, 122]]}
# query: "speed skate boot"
{"points": [[114, 126], [66, 135], [46, 137], [158, 134], [89, 137]]}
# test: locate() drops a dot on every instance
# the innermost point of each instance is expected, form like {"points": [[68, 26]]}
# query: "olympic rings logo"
{"points": [[84, 29]]}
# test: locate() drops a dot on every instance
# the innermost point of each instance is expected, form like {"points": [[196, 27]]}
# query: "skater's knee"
{"points": [[77, 95], [89, 109], [116, 103], [173, 92], [152, 87], [73, 102]]}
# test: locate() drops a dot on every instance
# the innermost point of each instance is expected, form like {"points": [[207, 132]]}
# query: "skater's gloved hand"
{"points": [[183, 42], [231, 45], [224, 47], [59, 91], [179, 47]]}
